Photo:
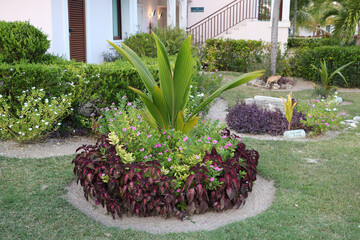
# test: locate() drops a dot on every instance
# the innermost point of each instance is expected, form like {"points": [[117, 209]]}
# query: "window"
{"points": [[116, 6]]}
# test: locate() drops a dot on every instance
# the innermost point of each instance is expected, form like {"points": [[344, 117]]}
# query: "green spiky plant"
{"points": [[326, 89], [166, 104], [289, 108]]}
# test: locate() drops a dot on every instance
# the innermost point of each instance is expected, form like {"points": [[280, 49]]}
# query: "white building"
{"points": [[78, 29]]}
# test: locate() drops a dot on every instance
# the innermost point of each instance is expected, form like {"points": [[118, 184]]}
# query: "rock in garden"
{"points": [[273, 79], [275, 86], [300, 133], [353, 125], [357, 118]]}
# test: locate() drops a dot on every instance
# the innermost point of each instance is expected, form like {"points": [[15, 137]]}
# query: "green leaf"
{"points": [[166, 78], [190, 124], [152, 108], [179, 124], [135, 60], [182, 75], [159, 101], [149, 119], [234, 83]]}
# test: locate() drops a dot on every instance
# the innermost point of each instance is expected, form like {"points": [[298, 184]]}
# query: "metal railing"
{"points": [[223, 19]]}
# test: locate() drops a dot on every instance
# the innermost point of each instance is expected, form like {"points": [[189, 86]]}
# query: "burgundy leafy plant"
{"points": [[245, 118], [141, 188]]}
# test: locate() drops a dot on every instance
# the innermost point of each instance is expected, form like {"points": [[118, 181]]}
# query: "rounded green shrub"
{"points": [[21, 41]]}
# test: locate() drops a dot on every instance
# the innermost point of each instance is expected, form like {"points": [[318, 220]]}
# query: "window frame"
{"points": [[119, 36]]}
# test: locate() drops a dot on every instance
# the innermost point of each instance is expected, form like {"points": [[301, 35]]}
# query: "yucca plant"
{"points": [[289, 108], [326, 89], [166, 104]]}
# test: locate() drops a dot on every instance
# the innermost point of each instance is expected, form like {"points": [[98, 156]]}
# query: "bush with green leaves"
{"points": [[312, 42], [143, 43], [34, 116], [233, 55], [22, 41], [335, 57], [321, 114]]}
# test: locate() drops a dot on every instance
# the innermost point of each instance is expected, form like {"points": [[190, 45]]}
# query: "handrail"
{"points": [[223, 19], [213, 13]]}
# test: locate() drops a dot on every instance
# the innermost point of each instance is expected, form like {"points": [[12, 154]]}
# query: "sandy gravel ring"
{"points": [[258, 201]]}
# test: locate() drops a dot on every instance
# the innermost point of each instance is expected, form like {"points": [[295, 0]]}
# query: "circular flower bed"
{"points": [[138, 170]]}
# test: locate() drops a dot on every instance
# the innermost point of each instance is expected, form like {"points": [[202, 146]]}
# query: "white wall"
{"points": [[38, 12], [99, 28], [210, 6]]}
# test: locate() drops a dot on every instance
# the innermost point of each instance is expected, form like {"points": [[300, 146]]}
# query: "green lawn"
{"points": [[313, 200]]}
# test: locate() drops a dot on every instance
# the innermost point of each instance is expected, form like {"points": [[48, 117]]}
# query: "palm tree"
{"points": [[346, 17], [274, 36]]}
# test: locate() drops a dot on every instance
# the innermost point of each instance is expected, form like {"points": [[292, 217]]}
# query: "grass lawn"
{"points": [[313, 200]]}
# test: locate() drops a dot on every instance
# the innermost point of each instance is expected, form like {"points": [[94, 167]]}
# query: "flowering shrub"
{"points": [[137, 169], [34, 115], [321, 114], [245, 118]]}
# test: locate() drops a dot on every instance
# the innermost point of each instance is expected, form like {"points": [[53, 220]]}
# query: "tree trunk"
{"points": [[274, 36], [358, 36], [294, 19]]}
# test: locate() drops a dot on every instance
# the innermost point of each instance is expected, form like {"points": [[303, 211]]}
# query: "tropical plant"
{"points": [[346, 17], [289, 106], [326, 89], [166, 104]]}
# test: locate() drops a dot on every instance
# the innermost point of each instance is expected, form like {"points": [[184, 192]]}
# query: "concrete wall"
{"points": [[245, 30], [38, 12], [210, 6]]}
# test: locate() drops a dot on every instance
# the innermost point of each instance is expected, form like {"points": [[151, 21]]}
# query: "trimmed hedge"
{"points": [[233, 55], [88, 81], [312, 42], [335, 57], [21, 41]]}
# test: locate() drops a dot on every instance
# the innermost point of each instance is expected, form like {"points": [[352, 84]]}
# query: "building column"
{"points": [[171, 13], [133, 21], [183, 14], [286, 11]]}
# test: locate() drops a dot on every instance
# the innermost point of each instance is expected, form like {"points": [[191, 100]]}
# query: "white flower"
{"points": [[42, 121], [23, 134], [41, 89], [46, 100], [21, 116], [0, 96], [55, 112], [59, 124], [334, 109], [36, 126], [33, 88], [20, 133], [30, 129], [10, 126], [47, 123], [37, 114], [35, 110]]}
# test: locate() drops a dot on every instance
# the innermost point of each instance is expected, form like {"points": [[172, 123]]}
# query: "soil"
{"points": [[49, 147], [259, 200]]}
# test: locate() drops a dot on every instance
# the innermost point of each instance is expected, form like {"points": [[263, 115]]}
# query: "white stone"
{"points": [[342, 122], [338, 100], [269, 99], [350, 121], [300, 133], [357, 118], [353, 125]]}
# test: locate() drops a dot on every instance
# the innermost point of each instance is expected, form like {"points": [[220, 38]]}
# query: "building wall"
{"points": [[210, 6], [38, 12], [148, 7]]}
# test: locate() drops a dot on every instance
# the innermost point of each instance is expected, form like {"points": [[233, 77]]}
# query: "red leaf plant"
{"points": [[140, 188]]}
